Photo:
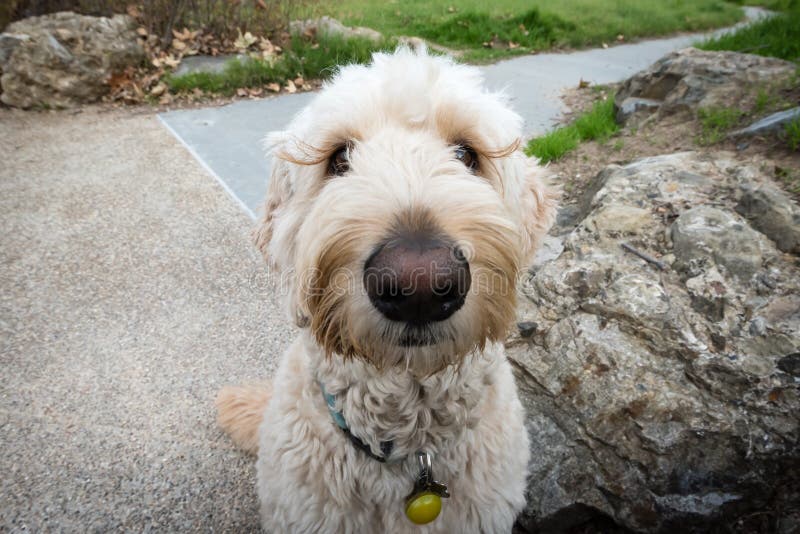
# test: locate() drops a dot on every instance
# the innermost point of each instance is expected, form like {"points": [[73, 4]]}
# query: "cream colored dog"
{"points": [[400, 210]]}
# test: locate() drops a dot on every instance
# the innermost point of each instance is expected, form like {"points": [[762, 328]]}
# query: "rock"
{"points": [[710, 236], [773, 213], [774, 123], [662, 400], [330, 26], [64, 59], [211, 64], [689, 79]]}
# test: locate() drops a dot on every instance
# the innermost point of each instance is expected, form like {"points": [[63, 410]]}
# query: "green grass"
{"points": [[596, 124], [300, 59], [540, 25], [778, 36], [792, 131], [715, 123]]}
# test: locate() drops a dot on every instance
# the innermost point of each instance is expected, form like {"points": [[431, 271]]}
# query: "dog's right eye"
{"points": [[338, 164]]}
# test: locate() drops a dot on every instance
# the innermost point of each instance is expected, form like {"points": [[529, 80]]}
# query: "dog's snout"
{"points": [[417, 280]]}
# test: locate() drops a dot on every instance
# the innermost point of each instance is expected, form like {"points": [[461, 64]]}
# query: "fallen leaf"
{"points": [[512, 45], [274, 87], [290, 87], [159, 89], [605, 45], [197, 92], [257, 92], [620, 37], [157, 62], [171, 61], [133, 11], [583, 84], [142, 31], [299, 81], [178, 45], [261, 4], [243, 42], [241, 92], [451, 9], [166, 99]]}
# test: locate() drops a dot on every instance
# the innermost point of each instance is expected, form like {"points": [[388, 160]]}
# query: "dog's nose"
{"points": [[417, 280]]}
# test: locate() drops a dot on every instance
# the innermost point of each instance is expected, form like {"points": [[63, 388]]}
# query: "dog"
{"points": [[400, 211]]}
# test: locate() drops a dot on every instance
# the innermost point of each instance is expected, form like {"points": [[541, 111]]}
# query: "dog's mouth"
{"points": [[417, 336]]}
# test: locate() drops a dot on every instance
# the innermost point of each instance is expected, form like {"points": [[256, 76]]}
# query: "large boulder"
{"points": [[64, 59], [689, 79], [661, 379]]}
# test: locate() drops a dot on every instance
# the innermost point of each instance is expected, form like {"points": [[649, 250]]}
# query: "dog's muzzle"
{"points": [[417, 280]]}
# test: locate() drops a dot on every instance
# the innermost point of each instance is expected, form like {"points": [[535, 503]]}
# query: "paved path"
{"points": [[228, 139], [129, 292]]}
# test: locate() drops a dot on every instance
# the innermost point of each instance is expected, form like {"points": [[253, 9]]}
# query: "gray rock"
{"points": [[210, 64], [689, 79], [64, 59], [771, 124], [652, 398], [330, 26], [710, 236], [773, 213]]}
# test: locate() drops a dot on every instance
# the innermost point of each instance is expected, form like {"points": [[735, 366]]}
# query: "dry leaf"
{"points": [[241, 92], [261, 4], [299, 81], [274, 87], [171, 61], [583, 84], [290, 87], [178, 45], [512, 45], [451, 9], [159, 89], [197, 92], [620, 37], [166, 99], [605, 45], [142, 31], [157, 62], [133, 11], [243, 42], [257, 92]]}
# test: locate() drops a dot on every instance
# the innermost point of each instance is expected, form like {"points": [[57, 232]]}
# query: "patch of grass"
{"points": [[790, 178], [596, 124], [716, 122], [540, 25], [302, 58], [792, 131], [777, 36]]}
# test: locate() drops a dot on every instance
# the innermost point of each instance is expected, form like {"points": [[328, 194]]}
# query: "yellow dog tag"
{"points": [[425, 502]]}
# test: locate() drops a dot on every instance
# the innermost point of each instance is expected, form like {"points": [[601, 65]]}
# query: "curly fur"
{"points": [[400, 118]]}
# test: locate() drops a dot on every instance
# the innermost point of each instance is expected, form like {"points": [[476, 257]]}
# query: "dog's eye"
{"points": [[338, 164], [467, 155]]}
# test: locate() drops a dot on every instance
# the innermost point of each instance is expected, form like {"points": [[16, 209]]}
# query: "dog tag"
{"points": [[425, 502]]}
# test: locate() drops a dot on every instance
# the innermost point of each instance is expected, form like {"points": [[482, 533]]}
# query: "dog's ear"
{"points": [[538, 206], [279, 191]]}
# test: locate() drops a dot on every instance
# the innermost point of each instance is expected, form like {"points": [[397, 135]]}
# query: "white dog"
{"points": [[402, 210]]}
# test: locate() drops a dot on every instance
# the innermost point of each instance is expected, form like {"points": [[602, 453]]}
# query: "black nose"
{"points": [[417, 280]]}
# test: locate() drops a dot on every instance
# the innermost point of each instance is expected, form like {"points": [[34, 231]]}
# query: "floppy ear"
{"points": [[538, 206], [279, 191]]}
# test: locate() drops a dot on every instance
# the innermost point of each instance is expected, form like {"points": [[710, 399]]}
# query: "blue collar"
{"points": [[338, 419]]}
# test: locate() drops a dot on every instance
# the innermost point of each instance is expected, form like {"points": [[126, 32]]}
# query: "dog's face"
{"points": [[403, 210]]}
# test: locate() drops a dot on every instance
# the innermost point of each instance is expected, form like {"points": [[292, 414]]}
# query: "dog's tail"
{"points": [[240, 410]]}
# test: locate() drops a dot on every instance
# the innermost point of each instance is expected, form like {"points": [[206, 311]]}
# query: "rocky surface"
{"points": [[64, 59], [690, 78], [773, 123], [330, 26], [662, 392]]}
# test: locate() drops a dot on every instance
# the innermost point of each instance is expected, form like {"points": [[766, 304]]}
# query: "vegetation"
{"points": [[317, 60], [792, 132], [716, 122], [777, 36], [515, 26], [596, 124]]}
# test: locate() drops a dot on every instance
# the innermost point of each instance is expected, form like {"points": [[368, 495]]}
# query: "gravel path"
{"points": [[129, 292]]}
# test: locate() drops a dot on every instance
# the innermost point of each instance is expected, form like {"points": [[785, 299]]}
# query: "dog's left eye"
{"points": [[467, 156], [339, 164]]}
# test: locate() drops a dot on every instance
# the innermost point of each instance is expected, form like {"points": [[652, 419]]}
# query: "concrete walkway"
{"points": [[129, 293], [228, 139]]}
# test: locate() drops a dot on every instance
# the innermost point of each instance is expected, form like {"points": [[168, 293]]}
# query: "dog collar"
{"points": [[424, 503], [338, 418]]}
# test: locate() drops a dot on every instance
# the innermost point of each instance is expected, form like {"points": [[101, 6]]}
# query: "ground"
{"points": [[130, 294]]}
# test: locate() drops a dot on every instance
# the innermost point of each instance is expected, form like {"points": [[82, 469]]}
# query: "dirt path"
{"points": [[130, 292]]}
